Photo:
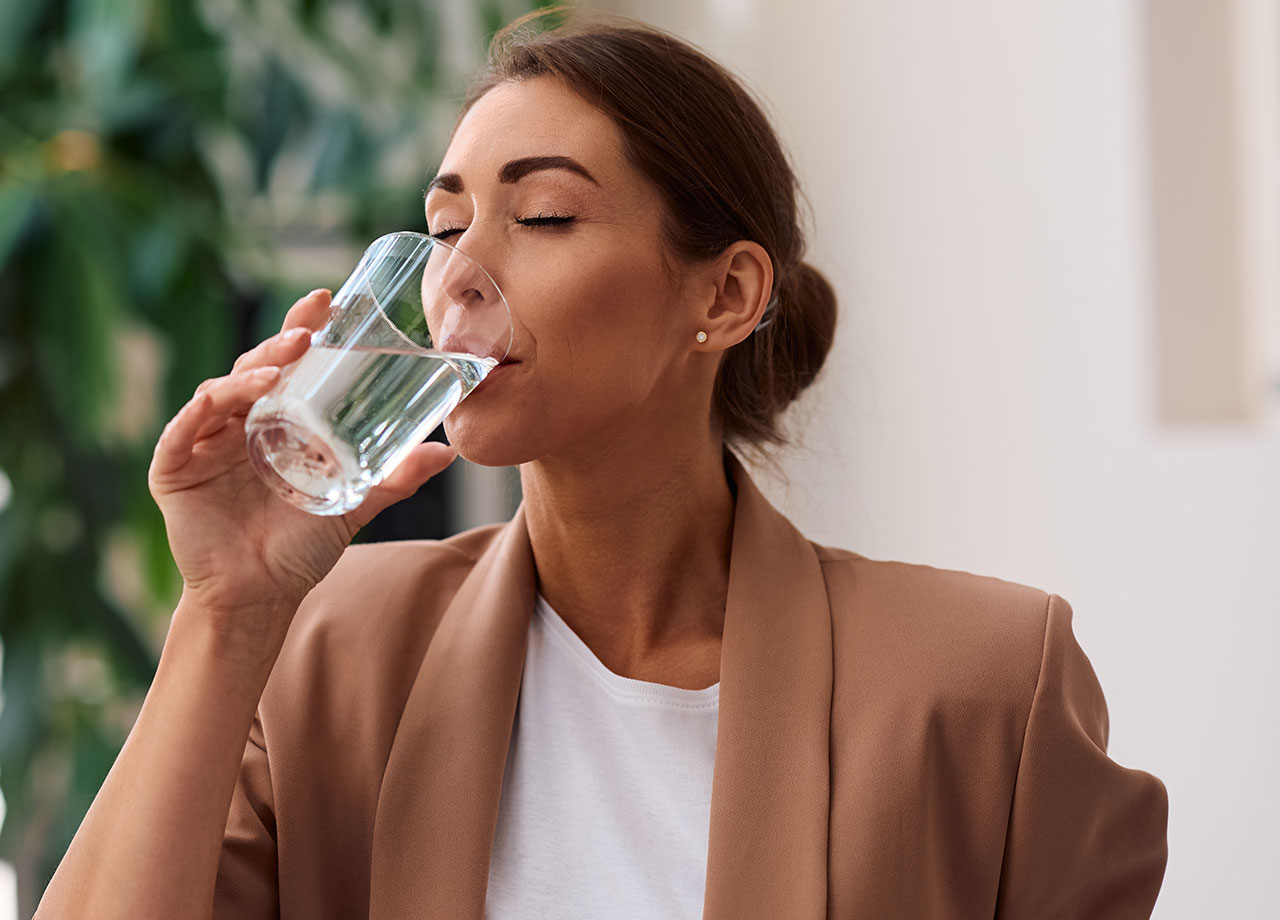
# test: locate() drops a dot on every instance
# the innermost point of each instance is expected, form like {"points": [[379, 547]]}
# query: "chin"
{"points": [[486, 442]]}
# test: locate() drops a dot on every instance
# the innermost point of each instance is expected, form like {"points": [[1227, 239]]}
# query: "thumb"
{"points": [[424, 461]]}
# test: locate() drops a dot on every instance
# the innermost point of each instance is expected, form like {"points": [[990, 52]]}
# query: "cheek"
{"points": [[594, 305], [591, 333]]}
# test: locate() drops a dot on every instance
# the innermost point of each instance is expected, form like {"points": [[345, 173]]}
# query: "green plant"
{"points": [[172, 176]]}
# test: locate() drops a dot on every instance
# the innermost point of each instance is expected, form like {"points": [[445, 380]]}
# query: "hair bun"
{"points": [[806, 327]]}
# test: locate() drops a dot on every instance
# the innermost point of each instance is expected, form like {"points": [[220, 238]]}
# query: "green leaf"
{"points": [[15, 535], [23, 726], [281, 103], [18, 19], [159, 249], [79, 302], [17, 205], [105, 37]]}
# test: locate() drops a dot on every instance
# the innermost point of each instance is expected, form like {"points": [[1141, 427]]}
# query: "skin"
{"points": [[608, 410]]}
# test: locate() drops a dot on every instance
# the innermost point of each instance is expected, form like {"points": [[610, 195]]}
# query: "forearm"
{"points": [[150, 843]]}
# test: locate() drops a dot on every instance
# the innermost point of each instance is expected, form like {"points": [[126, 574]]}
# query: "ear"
{"points": [[741, 281]]}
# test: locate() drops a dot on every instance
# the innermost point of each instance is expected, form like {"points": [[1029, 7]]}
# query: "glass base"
{"points": [[300, 466]]}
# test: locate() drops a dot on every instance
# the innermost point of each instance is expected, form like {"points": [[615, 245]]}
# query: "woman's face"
{"points": [[536, 188]]}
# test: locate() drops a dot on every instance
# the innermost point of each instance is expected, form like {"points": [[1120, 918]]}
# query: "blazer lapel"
{"points": [[438, 806], [767, 845], [767, 850]]}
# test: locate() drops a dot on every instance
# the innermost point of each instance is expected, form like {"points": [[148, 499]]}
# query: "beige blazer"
{"points": [[894, 741]]}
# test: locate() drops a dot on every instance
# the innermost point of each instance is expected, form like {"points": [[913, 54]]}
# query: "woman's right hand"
{"points": [[243, 552]]}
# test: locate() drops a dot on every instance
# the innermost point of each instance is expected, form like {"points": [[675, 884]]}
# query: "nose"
{"points": [[462, 280], [464, 309]]}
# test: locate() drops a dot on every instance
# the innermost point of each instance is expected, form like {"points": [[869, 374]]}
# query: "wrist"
{"points": [[246, 638]]}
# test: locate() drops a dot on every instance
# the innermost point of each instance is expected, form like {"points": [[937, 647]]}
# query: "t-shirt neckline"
{"points": [[617, 684]]}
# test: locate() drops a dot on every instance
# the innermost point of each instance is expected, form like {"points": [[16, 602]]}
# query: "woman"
{"points": [[647, 695]]}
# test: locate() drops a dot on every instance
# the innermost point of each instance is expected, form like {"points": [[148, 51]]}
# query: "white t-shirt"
{"points": [[606, 798]]}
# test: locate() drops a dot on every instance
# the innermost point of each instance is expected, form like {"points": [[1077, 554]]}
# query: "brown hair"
{"points": [[704, 142]]}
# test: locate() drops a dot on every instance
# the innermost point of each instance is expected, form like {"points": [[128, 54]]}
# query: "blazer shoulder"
{"points": [[379, 604], [947, 632], [461, 548], [850, 572], [372, 567]]}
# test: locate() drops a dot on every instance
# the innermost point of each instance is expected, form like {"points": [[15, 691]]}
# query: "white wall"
{"points": [[979, 177]]}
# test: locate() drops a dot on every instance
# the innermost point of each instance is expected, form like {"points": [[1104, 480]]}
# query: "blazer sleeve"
{"points": [[247, 886], [1086, 836]]}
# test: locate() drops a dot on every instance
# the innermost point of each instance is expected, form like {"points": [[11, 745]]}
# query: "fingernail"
{"points": [[264, 373], [318, 291], [296, 335]]}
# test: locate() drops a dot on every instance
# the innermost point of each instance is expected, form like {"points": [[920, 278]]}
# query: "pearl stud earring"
{"points": [[702, 336]]}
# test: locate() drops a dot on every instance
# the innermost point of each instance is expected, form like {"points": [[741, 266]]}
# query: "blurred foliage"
{"points": [[172, 176]]}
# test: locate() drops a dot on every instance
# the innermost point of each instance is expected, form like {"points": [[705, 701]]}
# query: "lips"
{"points": [[495, 372]]}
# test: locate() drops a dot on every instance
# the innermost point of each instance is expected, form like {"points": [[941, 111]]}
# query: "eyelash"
{"points": [[542, 220]]}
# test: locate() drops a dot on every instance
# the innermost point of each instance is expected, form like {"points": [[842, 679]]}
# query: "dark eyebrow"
{"points": [[514, 171]]}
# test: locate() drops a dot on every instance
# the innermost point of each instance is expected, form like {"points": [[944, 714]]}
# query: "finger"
{"points": [[424, 461], [310, 312], [173, 449], [234, 395], [282, 348]]}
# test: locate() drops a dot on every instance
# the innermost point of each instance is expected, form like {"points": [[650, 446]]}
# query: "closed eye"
{"points": [[542, 220]]}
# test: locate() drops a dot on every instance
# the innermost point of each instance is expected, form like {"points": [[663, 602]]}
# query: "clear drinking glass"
{"points": [[414, 329]]}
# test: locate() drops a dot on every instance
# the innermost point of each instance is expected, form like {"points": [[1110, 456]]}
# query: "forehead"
{"points": [[535, 117]]}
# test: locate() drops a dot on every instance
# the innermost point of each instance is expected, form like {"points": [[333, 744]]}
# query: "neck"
{"points": [[632, 551]]}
